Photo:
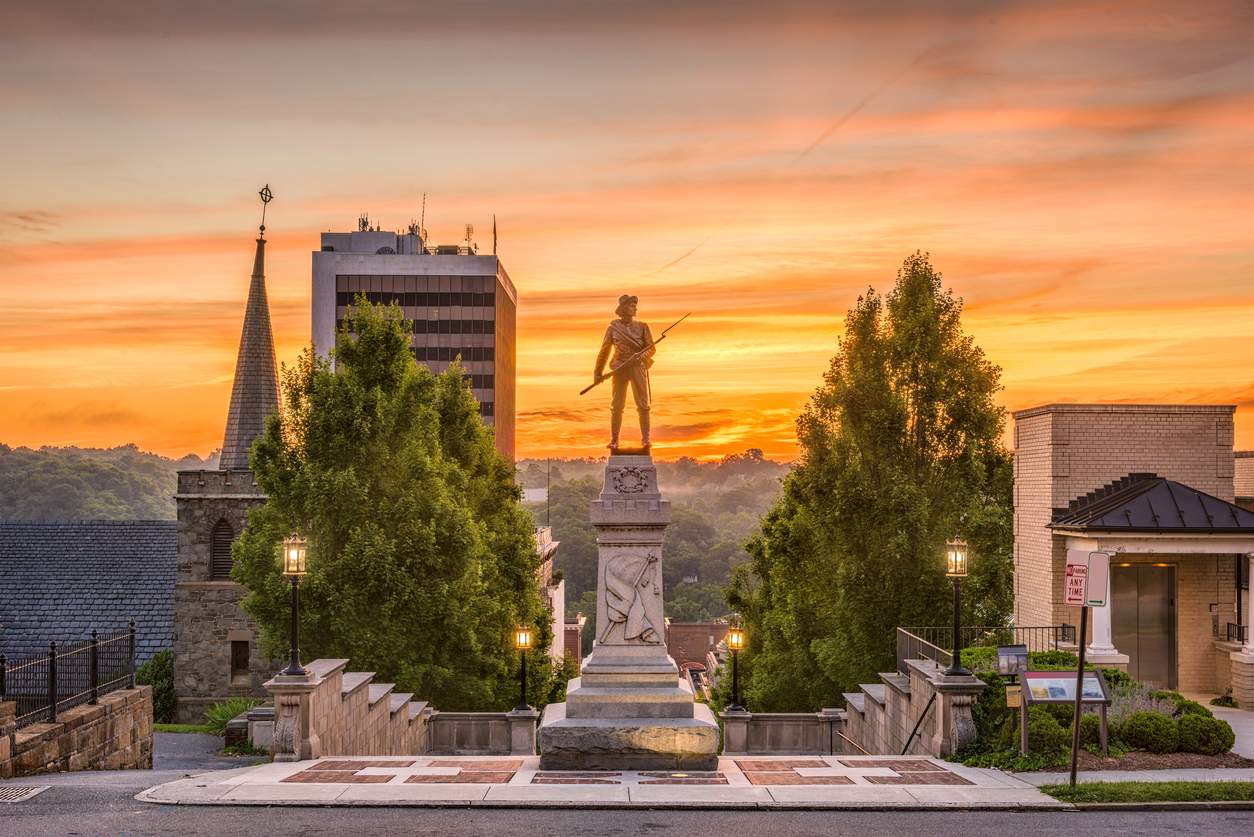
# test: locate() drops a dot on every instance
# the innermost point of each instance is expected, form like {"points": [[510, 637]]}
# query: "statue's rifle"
{"points": [[652, 559], [637, 356]]}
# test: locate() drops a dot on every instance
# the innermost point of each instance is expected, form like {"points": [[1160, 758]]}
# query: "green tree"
{"points": [[900, 451], [569, 504], [421, 561]]}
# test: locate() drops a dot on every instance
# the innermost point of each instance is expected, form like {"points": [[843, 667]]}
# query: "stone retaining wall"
{"points": [[114, 734], [882, 716]]}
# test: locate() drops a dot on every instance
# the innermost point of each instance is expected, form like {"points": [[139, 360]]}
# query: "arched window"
{"points": [[220, 551]]}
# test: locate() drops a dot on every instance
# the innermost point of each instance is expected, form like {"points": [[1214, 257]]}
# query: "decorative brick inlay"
{"points": [[476, 766], [943, 778], [899, 765], [555, 781], [780, 764], [679, 774], [331, 777], [357, 764], [472, 777], [791, 778], [563, 775]]}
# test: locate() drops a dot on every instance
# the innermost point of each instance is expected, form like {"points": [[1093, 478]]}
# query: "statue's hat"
{"points": [[624, 301]]}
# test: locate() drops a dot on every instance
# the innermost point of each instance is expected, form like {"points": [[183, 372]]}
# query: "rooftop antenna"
{"points": [[494, 233], [470, 230], [363, 222], [266, 197], [422, 220]]}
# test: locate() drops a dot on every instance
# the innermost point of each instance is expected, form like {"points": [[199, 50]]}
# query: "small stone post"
{"points": [[294, 736], [522, 731]]}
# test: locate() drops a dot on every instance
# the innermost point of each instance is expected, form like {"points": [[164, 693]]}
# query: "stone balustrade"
{"points": [[882, 717], [331, 712], [785, 733]]}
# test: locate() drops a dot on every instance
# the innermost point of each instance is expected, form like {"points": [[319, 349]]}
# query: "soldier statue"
{"points": [[633, 349]]}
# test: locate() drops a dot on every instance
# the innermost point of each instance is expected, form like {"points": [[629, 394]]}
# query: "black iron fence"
{"points": [[1238, 633], [68, 675], [936, 644]]}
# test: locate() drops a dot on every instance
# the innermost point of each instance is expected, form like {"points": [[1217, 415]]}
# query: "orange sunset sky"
{"points": [[1080, 172]]}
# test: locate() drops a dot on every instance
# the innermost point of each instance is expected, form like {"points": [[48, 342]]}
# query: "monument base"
{"points": [[628, 743]]}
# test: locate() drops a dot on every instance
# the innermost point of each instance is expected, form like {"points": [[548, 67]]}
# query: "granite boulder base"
{"points": [[630, 710]]}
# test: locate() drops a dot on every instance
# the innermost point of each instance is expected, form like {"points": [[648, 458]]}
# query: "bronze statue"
{"points": [[633, 347]]}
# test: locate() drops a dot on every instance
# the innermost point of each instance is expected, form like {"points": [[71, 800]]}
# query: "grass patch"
{"points": [[1152, 792], [245, 748], [202, 728]]}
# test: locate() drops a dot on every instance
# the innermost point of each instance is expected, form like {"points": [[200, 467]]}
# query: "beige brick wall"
{"points": [[1065, 450]]}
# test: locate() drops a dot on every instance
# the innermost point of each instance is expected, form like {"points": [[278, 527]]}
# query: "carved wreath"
{"points": [[630, 480]]}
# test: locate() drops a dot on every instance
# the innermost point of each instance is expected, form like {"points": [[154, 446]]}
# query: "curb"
{"points": [[602, 806]]}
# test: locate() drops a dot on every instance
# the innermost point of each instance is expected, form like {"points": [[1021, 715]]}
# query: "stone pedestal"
{"points": [[630, 710]]}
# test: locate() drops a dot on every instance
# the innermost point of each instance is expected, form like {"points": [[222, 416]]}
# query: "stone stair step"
{"points": [[400, 700], [378, 691], [857, 700], [353, 680], [875, 691], [416, 708]]}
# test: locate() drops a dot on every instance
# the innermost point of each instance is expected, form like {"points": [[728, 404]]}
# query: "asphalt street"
{"points": [[102, 803]]}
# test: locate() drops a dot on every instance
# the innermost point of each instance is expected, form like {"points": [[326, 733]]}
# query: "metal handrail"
{"points": [[1238, 633], [67, 675], [936, 643]]}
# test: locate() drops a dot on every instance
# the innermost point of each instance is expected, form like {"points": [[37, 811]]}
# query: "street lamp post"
{"points": [[735, 641], [522, 640], [294, 568], [956, 569]]}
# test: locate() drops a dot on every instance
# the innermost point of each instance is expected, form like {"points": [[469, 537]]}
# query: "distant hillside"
{"points": [[122, 483]]}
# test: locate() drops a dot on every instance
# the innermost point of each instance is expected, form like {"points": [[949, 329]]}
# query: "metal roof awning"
{"points": [[1149, 503]]}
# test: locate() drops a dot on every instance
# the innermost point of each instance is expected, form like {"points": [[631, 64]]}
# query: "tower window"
{"points": [[239, 658], [220, 552]]}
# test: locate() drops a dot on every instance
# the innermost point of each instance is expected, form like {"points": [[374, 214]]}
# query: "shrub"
{"points": [[1090, 731], [1063, 713], [1208, 736], [1225, 699], [1156, 733], [158, 672], [220, 714], [1045, 733], [1192, 707], [1116, 677], [1042, 659]]}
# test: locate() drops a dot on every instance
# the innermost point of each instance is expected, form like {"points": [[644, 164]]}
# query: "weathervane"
{"points": [[266, 197]]}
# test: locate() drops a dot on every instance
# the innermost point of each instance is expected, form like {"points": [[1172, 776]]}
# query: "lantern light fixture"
{"points": [[294, 556], [522, 638], [735, 639], [956, 558]]}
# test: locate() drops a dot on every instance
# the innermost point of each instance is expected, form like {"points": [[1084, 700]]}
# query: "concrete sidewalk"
{"points": [[795, 782]]}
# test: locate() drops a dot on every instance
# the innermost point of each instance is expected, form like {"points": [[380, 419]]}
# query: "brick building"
{"points": [[692, 642], [1152, 485]]}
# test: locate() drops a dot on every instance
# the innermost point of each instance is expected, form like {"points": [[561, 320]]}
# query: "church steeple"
{"points": [[256, 389]]}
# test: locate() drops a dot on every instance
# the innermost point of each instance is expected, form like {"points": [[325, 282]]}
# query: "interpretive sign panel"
{"points": [[1059, 687], [1011, 659]]}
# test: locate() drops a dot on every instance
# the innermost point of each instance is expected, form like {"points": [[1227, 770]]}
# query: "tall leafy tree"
{"points": [[900, 451], [421, 561]]}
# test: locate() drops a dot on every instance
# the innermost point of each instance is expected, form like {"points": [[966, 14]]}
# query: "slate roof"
{"points": [[255, 391], [61, 578], [1150, 503]]}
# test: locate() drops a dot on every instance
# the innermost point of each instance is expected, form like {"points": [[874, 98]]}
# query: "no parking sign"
{"points": [[1085, 582]]}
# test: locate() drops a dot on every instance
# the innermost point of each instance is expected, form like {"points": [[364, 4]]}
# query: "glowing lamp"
{"points": [[956, 559], [294, 556]]}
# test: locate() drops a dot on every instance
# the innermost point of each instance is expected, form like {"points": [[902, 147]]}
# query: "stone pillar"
{"points": [[522, 731], [735, 732], [294, 736], [629, 709], [954, 727], [1102, 651]]}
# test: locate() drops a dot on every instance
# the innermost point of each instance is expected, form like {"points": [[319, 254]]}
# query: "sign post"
{"points": [[1085, 585]]}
